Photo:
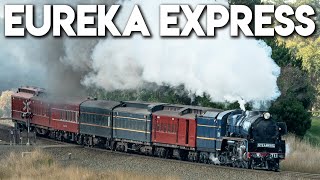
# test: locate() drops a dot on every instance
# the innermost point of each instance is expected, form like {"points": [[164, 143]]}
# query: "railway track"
{"points": [[290, 174], [59, 144], [44, 142]]}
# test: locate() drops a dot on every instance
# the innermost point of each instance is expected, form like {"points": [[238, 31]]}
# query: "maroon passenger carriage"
{"points": [[49, 115], [65, 118], [175, 126], [22, 103]]}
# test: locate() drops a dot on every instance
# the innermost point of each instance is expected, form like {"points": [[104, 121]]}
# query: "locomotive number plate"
{"points": [[274, 155], [266, 145]]}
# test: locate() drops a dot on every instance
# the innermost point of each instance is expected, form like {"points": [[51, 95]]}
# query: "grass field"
{"points": [[304, 155], [313, 134], [301, 157], [39, 165]]}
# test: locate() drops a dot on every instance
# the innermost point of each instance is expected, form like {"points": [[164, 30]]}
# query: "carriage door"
{"points": [[182, 131], [187, 131], [155, 127]]}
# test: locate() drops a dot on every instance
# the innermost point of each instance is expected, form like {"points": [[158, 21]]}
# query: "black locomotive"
{"points": [[263, 147]]}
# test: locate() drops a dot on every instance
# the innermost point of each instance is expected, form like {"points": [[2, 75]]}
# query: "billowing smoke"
{"points": [[57, 64], [288, 149], [214, 159], [228, 69]]}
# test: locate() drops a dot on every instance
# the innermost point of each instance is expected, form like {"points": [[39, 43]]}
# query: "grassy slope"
{"points": [[39, 166], [313, 134], [301, 157], [304, 155]]}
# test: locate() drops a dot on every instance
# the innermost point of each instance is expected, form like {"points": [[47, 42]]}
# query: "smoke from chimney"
{"points": [[228, 69]]}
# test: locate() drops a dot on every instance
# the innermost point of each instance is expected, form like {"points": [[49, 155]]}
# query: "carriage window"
{"points": [[74, 116], [93, 117], [169, 128], [67, 115], [71, 116]]}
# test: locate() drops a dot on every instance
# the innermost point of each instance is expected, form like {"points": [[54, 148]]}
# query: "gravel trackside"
{"points": [[107, 161]]}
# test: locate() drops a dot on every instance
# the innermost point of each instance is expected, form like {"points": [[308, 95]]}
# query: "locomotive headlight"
{"points": [[266, 115]]}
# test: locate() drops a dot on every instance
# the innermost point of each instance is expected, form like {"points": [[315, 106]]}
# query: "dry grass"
{"points": [[7, 123], [38, 165], [302, 156]]}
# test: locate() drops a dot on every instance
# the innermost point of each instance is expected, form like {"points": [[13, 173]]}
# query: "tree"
{"points": [[149, 92], [306, 48], [205, 101], [281, 54], [251, 4], [294, 82], [5, 103], [297, 92], [288, 109]]}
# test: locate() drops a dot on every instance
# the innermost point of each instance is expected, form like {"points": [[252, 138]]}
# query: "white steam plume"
{"points": [[238, 69], [228, 69], [54, 63]]}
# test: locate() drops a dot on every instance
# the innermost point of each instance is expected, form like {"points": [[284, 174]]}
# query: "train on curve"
{"points": [[244, 139]]}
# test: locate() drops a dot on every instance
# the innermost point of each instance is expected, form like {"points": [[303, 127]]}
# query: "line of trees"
{"points": [[299, 59]]}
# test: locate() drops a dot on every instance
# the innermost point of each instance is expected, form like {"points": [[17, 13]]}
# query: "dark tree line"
{"points": [[297, 92]]}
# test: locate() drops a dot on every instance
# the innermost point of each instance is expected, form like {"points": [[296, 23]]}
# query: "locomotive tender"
{"points": [[244, 139]]}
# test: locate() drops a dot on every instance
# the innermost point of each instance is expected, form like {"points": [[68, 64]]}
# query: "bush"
{"points": [[288, 109]]}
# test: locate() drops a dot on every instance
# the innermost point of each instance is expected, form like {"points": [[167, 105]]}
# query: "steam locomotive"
{"points": [[244, 139]]}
